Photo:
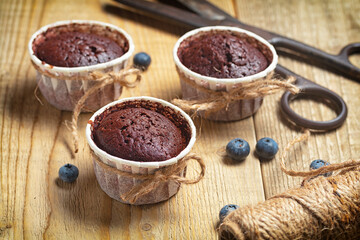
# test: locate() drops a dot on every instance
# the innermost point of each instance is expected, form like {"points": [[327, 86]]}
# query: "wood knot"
{"points": [[146, 227]]}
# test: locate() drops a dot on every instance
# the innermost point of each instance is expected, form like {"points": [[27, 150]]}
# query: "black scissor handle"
{"points": [[349, 50], [340, 63], [311, 89]]}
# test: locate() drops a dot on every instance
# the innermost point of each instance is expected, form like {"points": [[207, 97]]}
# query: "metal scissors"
{"points": [[207, 14]]}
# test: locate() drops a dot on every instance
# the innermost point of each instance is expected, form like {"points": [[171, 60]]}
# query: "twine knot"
{"points": [[118, 77]]}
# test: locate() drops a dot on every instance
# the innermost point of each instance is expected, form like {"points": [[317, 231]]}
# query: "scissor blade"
{"points": [[169, 12], [212, 12], [191, 19], [206, 9]]}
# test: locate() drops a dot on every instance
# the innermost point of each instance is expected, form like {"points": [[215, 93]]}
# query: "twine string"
{"points": [[103, 80], [217, 100], [161, 175], [36, 93], [329, 168]]}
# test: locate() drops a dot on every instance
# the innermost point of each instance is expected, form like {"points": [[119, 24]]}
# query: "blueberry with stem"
{"points": [[68, 173], [266, 148], [238, 149]]}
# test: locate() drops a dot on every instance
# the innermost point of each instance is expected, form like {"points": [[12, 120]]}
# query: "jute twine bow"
{"points": [[323, 208], [152, 181], [104, 79], [217, 100]]}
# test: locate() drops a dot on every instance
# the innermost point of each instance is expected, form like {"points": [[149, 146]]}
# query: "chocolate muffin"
{"points": [[139, 134], [77, 49], [65, 52], [221, 55], [144, 131]]}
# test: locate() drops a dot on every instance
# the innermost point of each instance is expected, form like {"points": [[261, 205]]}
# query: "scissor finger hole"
{"points": [[319, 109], [351, 52], [314, 108], [355, 59]]}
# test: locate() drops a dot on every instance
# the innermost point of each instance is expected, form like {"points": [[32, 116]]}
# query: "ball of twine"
{"points": [[322, 208]]}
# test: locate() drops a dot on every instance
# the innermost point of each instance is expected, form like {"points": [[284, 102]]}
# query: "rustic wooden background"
{"points": [[35, 141]]}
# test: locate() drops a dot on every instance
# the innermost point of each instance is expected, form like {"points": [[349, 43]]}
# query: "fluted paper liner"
{"points": [[62, 87], [116, 185], [235, 110]]}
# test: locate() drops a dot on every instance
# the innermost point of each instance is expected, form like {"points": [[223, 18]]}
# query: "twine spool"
{"points": [[322, 208]]}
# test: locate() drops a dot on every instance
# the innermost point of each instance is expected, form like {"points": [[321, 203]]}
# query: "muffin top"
{"points": [[77, 49], [221, 55], [138, 134]]}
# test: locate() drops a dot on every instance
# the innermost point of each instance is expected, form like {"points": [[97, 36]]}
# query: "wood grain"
{"points": [[35, 142]]}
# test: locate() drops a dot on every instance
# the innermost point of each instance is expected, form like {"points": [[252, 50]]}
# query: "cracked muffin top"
{"points": [[221, 55], [77, 49], [138, 134]]}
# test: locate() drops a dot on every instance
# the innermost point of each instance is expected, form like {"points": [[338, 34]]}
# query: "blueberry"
{"points": [[68, 173], [318, 163], [238, 149], [226, 210], [142, 61], [266, 148]]}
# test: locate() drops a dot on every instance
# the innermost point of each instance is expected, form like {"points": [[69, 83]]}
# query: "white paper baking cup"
{"points": [[236, 110], [116, 185], [64, 93]]}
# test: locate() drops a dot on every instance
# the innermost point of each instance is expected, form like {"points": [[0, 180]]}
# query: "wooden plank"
{"points": [[35, 142], [186, 209], [36, 138], [328, 25]]}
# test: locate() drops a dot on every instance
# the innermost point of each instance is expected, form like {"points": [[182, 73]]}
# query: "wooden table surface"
{"points": [[35, 142]]}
